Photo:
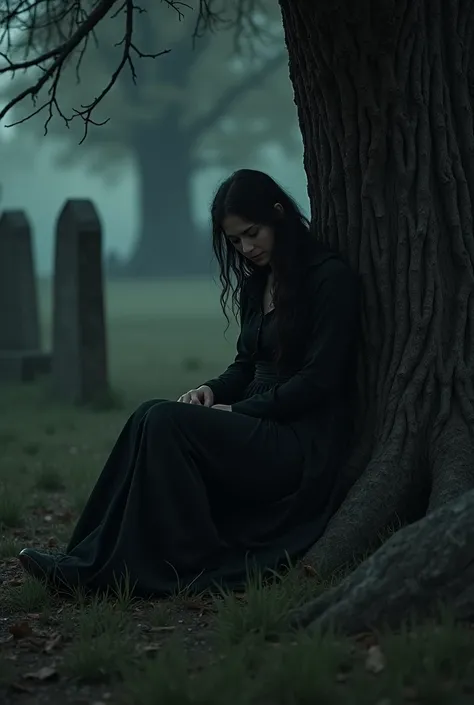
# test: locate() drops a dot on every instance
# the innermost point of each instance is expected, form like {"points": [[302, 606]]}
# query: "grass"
{"points": [[9, 547], [49, 478], [202, 651], [29, 595], [103, 643], [262, 609], [11, 506]]}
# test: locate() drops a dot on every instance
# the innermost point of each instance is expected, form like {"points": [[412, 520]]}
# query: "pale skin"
{"points": [[255, 242]]}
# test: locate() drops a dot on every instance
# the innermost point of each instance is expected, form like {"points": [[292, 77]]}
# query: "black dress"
{"points": [[192, 496]]}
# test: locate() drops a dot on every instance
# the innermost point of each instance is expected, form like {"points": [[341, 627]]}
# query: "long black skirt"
{"points": [[189, 497]]}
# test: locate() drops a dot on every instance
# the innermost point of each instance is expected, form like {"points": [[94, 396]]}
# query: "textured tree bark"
{"points": [[425, 564], [384, 103]]}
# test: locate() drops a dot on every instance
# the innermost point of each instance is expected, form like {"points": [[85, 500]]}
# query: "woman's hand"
{"points": [[222, 407], [203, 396]]}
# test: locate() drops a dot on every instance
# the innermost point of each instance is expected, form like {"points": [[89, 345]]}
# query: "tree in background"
{"points": [[384, 91], [201, 105]]}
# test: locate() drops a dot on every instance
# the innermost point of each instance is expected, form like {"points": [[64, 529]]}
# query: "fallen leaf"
{"points": [[66, 515], [375, 660], [45, 673], [365, 641], [20, 630], [52, 643], [20, 688], [35, 643], [308, 570], [150, 648], [363, 636], [20, 533]]}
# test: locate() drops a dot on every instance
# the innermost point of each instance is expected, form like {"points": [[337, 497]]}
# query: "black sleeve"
{"points": [[230, 386], [334, 297]]}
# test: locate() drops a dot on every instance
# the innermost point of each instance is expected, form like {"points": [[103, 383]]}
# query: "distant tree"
{"points": [[202, 104]]}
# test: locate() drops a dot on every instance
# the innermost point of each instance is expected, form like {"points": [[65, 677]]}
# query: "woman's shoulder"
{"points": [[325, 265]]}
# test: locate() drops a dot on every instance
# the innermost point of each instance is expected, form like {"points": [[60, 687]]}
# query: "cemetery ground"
{"points": [[233, 649]]}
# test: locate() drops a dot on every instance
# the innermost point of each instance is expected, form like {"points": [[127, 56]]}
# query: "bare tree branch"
{"points": [[28, 16], [245, 17], [68, 25], [233, 93]]}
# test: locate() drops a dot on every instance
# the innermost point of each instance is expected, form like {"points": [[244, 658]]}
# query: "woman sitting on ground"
{"points": [[240, 473]]}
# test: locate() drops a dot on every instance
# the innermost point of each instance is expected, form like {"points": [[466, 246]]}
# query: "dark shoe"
{"points": [[40, 565]]}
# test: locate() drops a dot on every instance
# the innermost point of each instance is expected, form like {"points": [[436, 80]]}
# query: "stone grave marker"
{"points": [[79, 364], [21, 358]]}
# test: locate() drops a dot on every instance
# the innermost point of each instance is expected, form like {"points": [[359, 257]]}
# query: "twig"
{"points": [[26, 16], [68, 26]]}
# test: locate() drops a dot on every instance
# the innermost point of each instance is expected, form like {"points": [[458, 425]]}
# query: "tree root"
{"points": [[377, 497], [451, 462], [422, 565], [397, 483]]}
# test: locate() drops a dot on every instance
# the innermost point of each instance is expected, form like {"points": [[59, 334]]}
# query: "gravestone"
{"points": [[79, 365], [21, 358]]}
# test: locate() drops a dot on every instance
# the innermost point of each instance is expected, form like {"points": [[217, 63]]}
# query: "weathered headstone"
{"points": [[21, 358], [79, 366]]}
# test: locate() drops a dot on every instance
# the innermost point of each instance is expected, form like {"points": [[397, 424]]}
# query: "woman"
{"points": [[242, 471]]}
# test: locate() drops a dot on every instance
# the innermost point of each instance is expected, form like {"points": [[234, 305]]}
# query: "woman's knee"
{"points": [[142, 410], [163, 410]]}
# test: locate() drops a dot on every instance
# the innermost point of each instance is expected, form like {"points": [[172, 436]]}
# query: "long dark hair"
{"points": [[252, 196]]}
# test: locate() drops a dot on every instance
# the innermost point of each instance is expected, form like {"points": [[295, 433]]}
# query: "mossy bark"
{"points": [[422, 566]]}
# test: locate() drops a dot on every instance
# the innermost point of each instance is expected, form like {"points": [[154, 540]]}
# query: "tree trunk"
{"points": [[168, 242], [424, 565], [384, 106]]}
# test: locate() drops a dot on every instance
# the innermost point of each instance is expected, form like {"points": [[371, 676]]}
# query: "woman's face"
{"points": [[252, 240]]}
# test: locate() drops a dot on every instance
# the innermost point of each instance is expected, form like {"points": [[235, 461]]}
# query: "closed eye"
{"points": [[251, 233]]}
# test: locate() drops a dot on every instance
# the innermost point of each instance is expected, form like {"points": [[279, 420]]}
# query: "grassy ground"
{"points": [[185, 650]]}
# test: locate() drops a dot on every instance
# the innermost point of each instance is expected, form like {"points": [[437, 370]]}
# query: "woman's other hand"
{"points": [[203, 396], [222, 407]]}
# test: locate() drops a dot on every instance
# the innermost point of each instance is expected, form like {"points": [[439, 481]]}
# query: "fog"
{"points": [[193, 116], [111, 322], [30, 179]]}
